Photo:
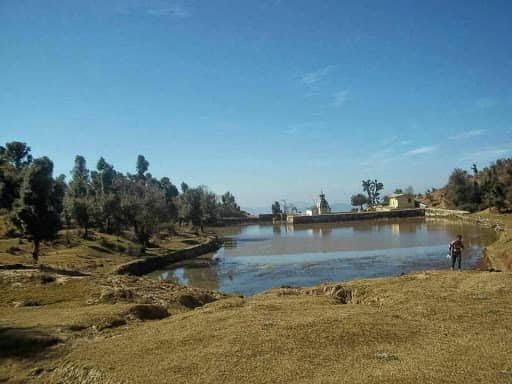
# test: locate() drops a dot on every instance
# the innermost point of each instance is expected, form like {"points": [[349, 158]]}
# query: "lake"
{"points": [[258, 257]]}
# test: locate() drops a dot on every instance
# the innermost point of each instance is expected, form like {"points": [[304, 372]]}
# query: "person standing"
{"points": [[455, 250]]}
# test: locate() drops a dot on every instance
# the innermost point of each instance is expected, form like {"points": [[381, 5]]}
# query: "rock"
{"points": [[46, 278], [112, 296], [78, 327], [36, 371], [30, 303], [110, 322], [148, 312], [189, 301], [386, 356]]}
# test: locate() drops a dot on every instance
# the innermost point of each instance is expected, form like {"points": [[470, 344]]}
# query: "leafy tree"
{"points": [[10, 181], [17, 154], [169, 188], [37, 212], [398, 190], [143, 208], [276, 208], [142, 167], [459, 189], [493, 190], [190, 206], [171, 193], [184, 187], [79, 201], [106, 199], [59, 191], [409, 190], [210, 210], [14, 158], [359, 200], [372, 188], [228, 206]]}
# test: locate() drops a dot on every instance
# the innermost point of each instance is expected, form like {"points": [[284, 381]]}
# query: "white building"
{"points": [[401, 201]]}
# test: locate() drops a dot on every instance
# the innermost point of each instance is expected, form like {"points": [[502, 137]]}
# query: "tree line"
{"points": [[490, 187], [39, 205]]}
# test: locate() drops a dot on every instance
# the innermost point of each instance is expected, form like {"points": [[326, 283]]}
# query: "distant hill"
{"points": [[436, 199]]}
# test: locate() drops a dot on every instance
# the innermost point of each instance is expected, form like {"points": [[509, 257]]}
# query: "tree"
{"points": [[493, 190], [79, 201], [228, 206], [409, 190], [143, 207], [276, 208], [10, 181], [14, 158], [190, 206], [106, 199], [398, 190], [171, 193], [372, 188], [142, 167], [37, 212], [359, 200], [169, 188], [17, 154], [463, 190], [210, 209]]}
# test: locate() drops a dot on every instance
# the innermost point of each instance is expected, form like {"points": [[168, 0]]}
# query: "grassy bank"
{"points": [[499, 254], [435, 326]]}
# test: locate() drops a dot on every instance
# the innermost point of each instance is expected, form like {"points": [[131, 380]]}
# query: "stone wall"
{"points": [[438, 212], [151, 263], [352, 216]]}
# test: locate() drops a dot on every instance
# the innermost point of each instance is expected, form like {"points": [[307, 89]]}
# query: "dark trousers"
{"points": [[456, 256]]}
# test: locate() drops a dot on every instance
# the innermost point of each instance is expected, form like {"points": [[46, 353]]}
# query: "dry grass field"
{"points": [[428, 327]]}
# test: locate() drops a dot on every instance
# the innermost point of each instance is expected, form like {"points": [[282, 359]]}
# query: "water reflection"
{"points": [[259, 257]]}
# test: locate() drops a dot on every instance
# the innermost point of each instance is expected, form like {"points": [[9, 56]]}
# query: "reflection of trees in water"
{"points": [[471, 234], [197, 273], [202, 274], [228, 231]]}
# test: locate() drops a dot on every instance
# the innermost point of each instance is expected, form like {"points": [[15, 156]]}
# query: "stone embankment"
{"points": [[353, 216], [450, 213], [148, 264]]}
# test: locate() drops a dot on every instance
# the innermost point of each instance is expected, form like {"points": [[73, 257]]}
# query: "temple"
{"points": [[322, 206]]}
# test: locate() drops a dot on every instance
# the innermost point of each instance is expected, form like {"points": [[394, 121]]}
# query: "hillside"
{"points": [[436, 199]]}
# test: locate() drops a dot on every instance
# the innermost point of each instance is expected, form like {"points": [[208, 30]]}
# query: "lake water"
{"points": [[259, 257]]}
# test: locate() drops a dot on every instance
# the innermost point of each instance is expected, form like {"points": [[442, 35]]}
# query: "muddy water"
{"points": [[259, 257]]}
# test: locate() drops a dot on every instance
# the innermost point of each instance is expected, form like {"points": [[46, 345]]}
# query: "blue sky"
{"points": [[268, 99]]}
